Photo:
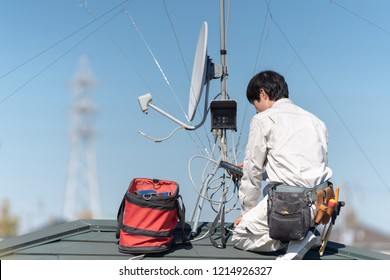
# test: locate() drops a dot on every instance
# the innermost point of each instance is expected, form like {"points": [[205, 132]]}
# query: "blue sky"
{"points": [[334, 55]]}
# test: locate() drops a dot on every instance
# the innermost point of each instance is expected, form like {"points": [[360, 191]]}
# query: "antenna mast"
{"points": [[82, 190], [224, 91], [223, 118]]}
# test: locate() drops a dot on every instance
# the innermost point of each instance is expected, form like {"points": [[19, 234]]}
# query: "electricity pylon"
{"points": [[82, 189]]}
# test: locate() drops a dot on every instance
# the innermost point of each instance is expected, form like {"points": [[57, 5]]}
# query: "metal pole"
{"points": [[223, 56], [223, 53], [224, 77]]}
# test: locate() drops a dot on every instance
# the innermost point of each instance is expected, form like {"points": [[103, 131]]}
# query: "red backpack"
{"points": [[148, 216]]}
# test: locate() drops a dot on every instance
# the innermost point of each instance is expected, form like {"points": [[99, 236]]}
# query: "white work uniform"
{"points": [[286, 145]]}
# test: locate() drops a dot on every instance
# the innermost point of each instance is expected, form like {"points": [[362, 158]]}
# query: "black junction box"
{"points": [[223, 114]]}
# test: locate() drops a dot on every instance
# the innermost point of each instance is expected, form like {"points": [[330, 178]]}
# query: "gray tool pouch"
{"points": [[288, 215]]}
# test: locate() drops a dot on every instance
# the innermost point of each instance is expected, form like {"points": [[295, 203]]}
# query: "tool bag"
{"points": [[148, 216], [288, 213]]}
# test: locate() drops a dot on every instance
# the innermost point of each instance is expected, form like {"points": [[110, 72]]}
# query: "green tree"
{"points": [[8, 223]]}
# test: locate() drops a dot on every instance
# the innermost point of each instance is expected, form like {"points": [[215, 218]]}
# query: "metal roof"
{"points": [[95, 240]]}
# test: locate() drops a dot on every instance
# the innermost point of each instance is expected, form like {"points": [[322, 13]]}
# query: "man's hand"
{"points": [[235, 175], [237, 221]]}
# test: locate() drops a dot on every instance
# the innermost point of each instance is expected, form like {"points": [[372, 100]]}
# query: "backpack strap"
{"points": [[120, 217]]}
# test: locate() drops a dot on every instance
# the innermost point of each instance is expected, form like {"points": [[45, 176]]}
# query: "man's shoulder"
{"points": [[284, 107]]}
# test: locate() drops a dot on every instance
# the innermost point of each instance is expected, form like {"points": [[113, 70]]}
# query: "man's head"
{"points": [[266, 87]]}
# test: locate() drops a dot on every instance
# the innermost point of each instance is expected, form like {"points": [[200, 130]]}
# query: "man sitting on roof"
{"points": [[286, 146]]}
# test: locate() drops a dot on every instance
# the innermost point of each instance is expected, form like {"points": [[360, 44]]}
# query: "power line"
{"points": [[360, 17], [59, 42], [57, 59], [331, 104], [121, 51]]}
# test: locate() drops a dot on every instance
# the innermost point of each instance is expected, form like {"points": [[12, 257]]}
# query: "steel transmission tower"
{"points": [[82, 189]]}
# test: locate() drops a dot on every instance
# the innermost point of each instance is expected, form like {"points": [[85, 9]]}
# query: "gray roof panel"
{"points": [[95, 240]]}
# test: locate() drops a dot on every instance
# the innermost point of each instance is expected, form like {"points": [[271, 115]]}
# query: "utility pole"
{"points": [[82, 190]]}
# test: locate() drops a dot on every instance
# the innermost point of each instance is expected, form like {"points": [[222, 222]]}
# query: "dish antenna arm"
{"points": [[145, 101]]}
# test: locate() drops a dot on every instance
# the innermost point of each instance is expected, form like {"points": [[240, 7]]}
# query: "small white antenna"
{"points": [[145, 101]]}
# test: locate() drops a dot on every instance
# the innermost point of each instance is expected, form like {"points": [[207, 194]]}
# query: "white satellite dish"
{"points": [[200, 77], [199, 71]]}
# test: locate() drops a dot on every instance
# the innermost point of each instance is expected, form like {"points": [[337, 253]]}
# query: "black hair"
{"points": [[271, 82]]}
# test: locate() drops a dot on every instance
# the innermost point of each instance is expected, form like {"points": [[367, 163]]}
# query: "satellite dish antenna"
{"points": [[203, 71], [199, 71]]}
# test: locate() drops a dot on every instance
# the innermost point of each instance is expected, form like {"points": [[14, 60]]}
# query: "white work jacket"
{"points": [[286, 145]]}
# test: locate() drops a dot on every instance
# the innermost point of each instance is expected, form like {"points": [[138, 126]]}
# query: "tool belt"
{"points": [[289, 209]]}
